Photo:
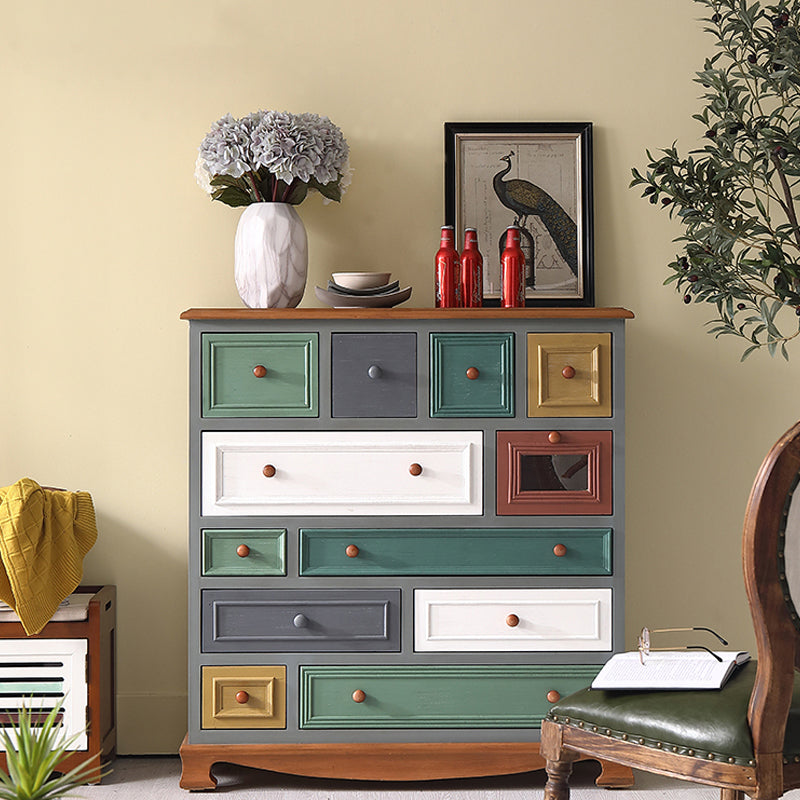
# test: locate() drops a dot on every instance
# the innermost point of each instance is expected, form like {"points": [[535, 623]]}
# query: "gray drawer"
{"points": [[266, 620], [374, 375]]}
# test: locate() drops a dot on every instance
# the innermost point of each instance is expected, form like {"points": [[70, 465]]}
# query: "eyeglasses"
{"points": [[645, 649]]}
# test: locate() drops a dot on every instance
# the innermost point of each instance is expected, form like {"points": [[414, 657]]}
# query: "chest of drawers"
{"points": [[406, 535]]}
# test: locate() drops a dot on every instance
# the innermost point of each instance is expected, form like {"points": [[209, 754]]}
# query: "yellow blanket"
{"points": [[44, 535]]}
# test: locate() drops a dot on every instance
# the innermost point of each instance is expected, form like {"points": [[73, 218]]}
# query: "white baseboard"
{"points": [[150, 724]]}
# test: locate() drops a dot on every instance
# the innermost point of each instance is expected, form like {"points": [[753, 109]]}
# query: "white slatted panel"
{"points": [[43, 673]]}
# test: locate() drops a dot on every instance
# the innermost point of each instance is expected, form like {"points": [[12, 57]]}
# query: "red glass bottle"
{"points": [[471, 271], [447, 270], [512, 271]]}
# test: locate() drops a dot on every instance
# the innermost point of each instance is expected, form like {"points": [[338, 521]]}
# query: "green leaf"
{"points": [[232, 196], [330, 190]]}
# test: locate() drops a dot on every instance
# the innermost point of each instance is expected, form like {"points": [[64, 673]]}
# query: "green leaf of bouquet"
{"points": [[232, 196], [297, 193], [225, 180], [330, 190]]}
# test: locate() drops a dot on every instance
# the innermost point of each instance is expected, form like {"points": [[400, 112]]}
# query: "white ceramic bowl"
{"points": [[361, 280]]}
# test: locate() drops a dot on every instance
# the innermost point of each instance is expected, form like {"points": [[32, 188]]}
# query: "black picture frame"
{"points": [[551, 165]]}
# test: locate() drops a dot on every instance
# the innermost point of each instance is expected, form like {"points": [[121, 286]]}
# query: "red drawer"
{"points": [[554, 472]]}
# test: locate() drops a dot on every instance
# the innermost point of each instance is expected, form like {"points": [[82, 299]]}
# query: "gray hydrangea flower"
{"points": [[226, 148], [269, 146]]}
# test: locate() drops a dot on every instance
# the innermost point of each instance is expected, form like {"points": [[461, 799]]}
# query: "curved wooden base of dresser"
{"points": [[371, 761]]}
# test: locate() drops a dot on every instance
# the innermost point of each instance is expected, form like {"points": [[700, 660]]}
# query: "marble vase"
{"points": [[271, 256]]}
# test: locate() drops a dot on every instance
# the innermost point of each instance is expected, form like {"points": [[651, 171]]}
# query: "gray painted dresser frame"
{"points": [[421, 322]]}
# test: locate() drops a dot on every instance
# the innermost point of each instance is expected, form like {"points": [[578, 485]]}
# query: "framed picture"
{"points": [[538, 176]]}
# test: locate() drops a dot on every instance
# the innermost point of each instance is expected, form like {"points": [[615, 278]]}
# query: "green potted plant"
{"points": [[33, 751], [737, 195]]}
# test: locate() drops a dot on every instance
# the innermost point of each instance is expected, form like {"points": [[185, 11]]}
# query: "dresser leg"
{"points": [[196, 766]]}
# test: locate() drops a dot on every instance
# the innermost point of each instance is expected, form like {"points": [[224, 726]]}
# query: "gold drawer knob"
{"points": [[512, 620], [415, 469], [568, 372], [269, 471], [472, 373], [242, 551], [554, 437], [351, 551], [359, 696], [242, 697], [560, 550], [259, 371], [553, 696]]}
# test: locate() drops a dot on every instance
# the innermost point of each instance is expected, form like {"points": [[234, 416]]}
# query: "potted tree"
{"points": [[737, 195]]}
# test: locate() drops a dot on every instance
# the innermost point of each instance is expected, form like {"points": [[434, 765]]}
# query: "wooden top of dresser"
{"points": [[405, 313]]}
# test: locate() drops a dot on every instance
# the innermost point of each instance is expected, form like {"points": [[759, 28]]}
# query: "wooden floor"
{"points": [[156, 778]]}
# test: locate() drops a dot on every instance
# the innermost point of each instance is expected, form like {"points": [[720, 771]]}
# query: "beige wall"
{"points": [[106, 239]]}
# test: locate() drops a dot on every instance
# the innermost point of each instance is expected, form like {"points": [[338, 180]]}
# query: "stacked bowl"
{"points": [[362, 290]]}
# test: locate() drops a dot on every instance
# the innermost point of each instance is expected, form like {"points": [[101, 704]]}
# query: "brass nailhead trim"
{"points": [[625, 737], [751, 762], [608, 732], [691, 752], [710, 756], [797, 759], [641, 741], [580, 724], [659, 745], [594, 728]]}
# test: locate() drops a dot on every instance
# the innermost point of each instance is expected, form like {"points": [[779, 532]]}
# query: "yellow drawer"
{"points": [[569, 374], [244, 697]]}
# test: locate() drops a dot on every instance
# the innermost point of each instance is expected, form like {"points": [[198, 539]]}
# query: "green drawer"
{"points": [[465, 551], [472, 375], [434, 696], [260, 374], [244, 552]]}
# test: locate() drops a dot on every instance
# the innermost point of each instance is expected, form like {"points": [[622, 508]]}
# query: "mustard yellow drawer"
{"points": [[569, 374], [244, 697]]}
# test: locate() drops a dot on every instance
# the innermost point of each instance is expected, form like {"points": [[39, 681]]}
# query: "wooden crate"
{"points": [[90, 691]]}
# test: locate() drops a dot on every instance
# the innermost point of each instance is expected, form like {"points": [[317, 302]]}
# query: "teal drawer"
{"points": [[465, 551], [472, 375], [435, 696], [260, 374], [244, 552]]}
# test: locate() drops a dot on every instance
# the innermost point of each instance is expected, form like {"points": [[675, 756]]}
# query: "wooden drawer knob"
{"points": [[269, 471], [242, 551], [568, 372], [560, 550], [351, 551], [415, 469], [259, 371], [374, 371], [472, 373], [553, 696], [242, 697], [512, 620], [359, 696], [554, 437]]}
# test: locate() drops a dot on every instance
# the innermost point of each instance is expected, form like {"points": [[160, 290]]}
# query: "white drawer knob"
{"points": [[300, 621], [374, 371]]}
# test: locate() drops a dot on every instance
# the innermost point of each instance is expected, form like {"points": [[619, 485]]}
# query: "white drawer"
{"points": [[347, 472], [512, 619]]}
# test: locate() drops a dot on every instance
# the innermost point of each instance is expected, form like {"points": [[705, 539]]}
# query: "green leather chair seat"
{"points": [[707, 724]]}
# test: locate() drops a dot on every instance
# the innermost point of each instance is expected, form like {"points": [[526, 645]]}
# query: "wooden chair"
{"points": [[745, 737]]}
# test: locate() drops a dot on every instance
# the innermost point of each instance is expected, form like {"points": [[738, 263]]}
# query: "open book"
{"points": [[669, 669]]}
